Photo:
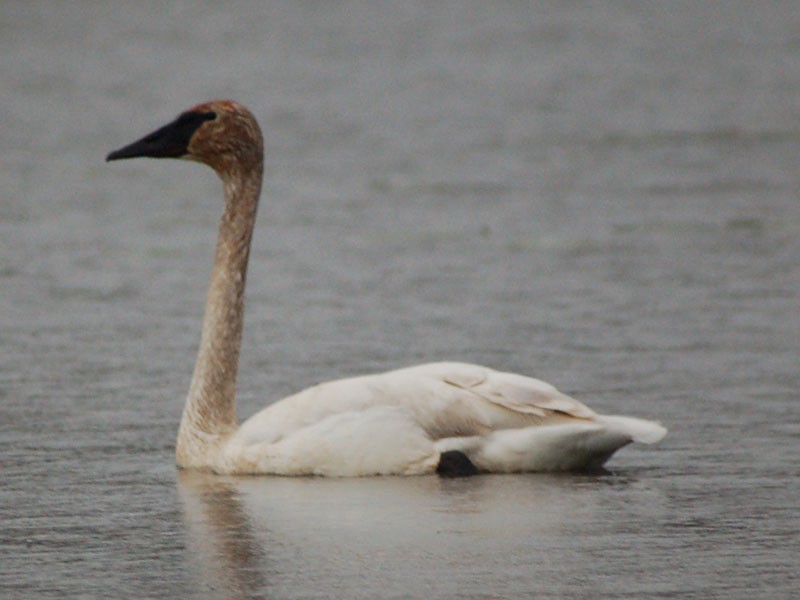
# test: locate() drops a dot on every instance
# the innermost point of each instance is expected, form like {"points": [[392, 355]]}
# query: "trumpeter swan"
{"points": [[450, 418]]}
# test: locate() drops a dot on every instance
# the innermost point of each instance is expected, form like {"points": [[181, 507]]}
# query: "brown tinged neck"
{"points": [[210, 411]]}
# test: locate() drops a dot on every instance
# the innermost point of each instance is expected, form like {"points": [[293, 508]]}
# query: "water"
{"points": [[604, 196]]}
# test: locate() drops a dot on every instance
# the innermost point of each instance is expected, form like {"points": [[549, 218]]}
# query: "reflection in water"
{"points": [[295, 536], [229, 558]]}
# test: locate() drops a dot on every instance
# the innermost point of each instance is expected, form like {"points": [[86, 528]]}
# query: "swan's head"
{"points": [[222, 134]]}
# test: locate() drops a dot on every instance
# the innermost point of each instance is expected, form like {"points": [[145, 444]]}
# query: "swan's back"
{"points": [[446, 399]]}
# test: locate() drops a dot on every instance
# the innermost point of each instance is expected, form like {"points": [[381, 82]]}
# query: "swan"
{"points": [[449, 418]]}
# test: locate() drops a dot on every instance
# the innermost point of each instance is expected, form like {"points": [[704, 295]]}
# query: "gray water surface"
{"points": [[602, 195]]}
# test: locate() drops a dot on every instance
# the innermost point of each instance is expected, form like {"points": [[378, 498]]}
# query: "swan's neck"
{"points": [[210, 412]]}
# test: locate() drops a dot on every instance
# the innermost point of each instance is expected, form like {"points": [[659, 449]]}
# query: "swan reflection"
{"points": [[275, 536], [231, 561]]}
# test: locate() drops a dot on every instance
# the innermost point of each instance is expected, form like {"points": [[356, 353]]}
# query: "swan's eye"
{"points": [[187, 124], [193, 120]]}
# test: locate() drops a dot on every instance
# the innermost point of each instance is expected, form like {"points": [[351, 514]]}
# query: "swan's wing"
{"points": [[538, 400], [515, 392], [445, 399]]}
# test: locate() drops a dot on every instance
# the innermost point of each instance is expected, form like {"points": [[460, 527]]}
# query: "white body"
{"points": [[399, 422]]}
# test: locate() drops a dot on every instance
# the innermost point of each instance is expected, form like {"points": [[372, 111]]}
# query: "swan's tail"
{"points": [[639, 430], [573, 446]]}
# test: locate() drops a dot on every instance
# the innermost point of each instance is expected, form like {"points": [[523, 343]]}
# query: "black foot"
{"points": [[455, 463]]}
